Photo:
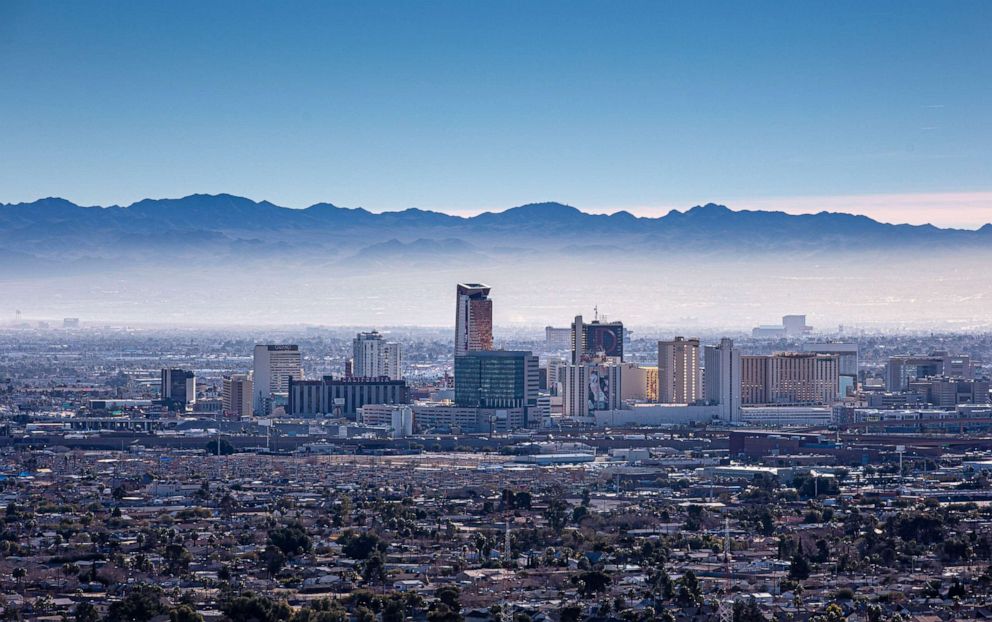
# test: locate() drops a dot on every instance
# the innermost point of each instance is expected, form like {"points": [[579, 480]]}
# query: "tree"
{"points": [[374, 569], [141, 604], [273, 558], [447, 608], [931, 589], [570, 613], [522, 500], [449, 595], [689, 590], [957, 589], [799, 569], [292, 539], [833, 613], [393, 610], [360, 546], [809, 487], [19, 574], [439, 612], [748, 611], [323, 610], [69, 570], [579, 513], [86, 612], [177, 557], [250, 607], [506, 500], [663, 583], [557, 513], [220, 447], [766, 521], [592, 582], [184, 613], [694, 517]]}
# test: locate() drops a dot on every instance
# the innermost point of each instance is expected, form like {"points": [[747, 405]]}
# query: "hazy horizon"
{"points": [[459, 108], [968, 211]]}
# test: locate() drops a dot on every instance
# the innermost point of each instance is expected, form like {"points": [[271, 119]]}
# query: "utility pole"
{"points": [[506, 541], [725, 609]]}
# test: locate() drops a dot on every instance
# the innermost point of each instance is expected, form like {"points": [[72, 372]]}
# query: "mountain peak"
{"points": [[548, 211], [545, 208], [710, 210]]}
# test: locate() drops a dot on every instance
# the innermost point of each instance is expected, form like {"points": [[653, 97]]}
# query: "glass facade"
{"points": [[499, 379]]}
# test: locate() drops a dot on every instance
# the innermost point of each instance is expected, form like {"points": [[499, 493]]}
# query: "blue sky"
{"points": [[882, 108]]}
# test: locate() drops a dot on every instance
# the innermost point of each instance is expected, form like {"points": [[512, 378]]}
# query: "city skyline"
{"points": [[719, 345]]}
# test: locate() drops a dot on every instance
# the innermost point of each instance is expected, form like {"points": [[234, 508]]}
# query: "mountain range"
{"points": [[223, 258], [214, 226]]}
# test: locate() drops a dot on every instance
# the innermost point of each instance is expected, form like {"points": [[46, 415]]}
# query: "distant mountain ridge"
{"points": [[206, 226], [232, 260]]}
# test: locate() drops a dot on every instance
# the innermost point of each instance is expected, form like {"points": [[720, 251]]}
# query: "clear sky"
{"points": [[883, 108]]}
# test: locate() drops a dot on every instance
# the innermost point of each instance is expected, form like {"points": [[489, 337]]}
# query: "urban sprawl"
{"points": [[587, 474]]}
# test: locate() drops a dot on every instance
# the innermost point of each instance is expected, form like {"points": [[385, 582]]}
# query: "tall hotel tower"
{"points": [[374, 357], [473, 319], [678, 371], [273, 366]]}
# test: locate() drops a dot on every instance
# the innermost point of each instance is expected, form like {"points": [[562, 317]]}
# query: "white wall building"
{"points": [[399, 418], [655, 415], [273, 366], [723, 378], [787, 415], [591, 387], [374, 357]]}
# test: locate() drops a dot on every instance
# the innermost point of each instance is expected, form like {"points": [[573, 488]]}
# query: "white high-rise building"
{"points": [[392, 360], [555, 378], [273, 366], [374, 357], [789, 379], [723, 378], [678, 371], [591, 387]]}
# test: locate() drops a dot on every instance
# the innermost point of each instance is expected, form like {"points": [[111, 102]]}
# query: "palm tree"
{"points": [[68, 569], [18, 574]]}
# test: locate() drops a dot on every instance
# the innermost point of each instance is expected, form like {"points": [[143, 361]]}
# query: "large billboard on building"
{"points": [[604, 340], [599, 390]]}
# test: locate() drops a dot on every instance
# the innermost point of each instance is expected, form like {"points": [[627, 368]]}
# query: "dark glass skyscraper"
{"points": [[496, 379], [178, 388]]}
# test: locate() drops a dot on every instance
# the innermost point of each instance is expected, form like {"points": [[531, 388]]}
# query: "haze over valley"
{"points": [[223, 259]]}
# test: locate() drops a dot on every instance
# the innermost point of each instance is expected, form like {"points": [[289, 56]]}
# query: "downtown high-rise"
{"points": [[722, 378], [272, 368], [473, 318], [678, 371], [374, 357]]}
